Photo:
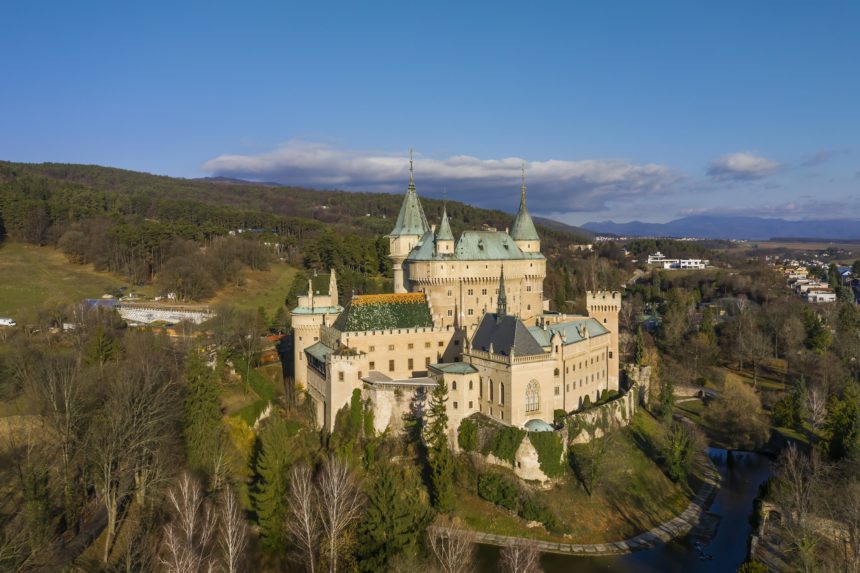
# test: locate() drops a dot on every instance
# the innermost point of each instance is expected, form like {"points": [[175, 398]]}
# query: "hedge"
{"points": [[505, 443], [549, 449]]}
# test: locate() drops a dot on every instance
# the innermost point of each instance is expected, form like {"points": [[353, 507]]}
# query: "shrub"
{"points": [[498, 489], [533, 510], [505, 443], [558, 417], [549, 449], [586, 403], [467, 436]]}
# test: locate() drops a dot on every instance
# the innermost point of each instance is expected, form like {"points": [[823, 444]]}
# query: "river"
{"points": [[734, 505]]}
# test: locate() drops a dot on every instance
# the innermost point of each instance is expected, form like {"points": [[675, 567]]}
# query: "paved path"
{"points": [[664, 532]]}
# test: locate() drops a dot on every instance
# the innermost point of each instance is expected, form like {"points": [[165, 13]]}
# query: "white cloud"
{"points": [[741, 166], [583, 185]]}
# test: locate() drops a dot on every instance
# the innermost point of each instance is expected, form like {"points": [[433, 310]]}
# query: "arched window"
{"points": [[453, 385], [533, 396], [502, 393]]}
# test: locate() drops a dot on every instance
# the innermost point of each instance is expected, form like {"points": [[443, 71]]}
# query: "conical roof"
{"points": [[444, 233], [411, 220], [523, 228]]}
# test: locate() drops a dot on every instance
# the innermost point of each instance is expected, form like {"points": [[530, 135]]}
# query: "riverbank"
{"points": [[666, 531]]}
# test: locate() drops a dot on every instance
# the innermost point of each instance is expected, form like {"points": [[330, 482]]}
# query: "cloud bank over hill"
{"points": [[583, 185]]}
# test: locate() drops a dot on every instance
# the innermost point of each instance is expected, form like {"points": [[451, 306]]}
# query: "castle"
{"points": [[469, 313]]}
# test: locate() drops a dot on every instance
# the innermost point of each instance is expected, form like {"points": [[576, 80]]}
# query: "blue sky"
{"points": [[620, 110]]}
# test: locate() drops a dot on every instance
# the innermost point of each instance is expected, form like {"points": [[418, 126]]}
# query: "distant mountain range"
{"points": [[733, 227]]}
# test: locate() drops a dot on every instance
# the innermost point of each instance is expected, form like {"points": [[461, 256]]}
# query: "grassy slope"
{"points": [[634, 496], [32, 276], [260, 288]]}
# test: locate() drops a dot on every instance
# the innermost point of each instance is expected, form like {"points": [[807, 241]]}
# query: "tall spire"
{"points": [[503, 298], [444, 232], [411, 219], [523, 187], [523, 228], [411, 172]]}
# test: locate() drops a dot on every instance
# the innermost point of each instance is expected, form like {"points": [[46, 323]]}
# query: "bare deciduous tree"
{"points": [[816, 403], [340, 502], [520, 557], [798, 484], [847, 512], [303, 524], [453, 548], [189, 537], [233, 533]]}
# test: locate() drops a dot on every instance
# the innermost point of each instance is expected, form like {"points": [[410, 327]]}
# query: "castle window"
{"points": [[441, 344], [502, 393], [359, 374], [491, 390], [391, 365], [470, 384], [557, 372], [528, 288], [481, 388], [453, 384], [372, 348], [455, 405], [502, 414], [411, 346], [610, 354], [340, 376], [529, 307], [426, 361], [390, 347], [372, 365], [410, 365], [470, 404], [604, 321], [450, 292], [558, 390], [426, 345], [470, 292], [450, 312], [471, 312], [533, 396], [483, 291]]}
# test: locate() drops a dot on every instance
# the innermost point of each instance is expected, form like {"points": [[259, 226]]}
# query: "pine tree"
{"points": [[101, 347], [393, 520], [203, 430], [438, 454], [273, 465]]}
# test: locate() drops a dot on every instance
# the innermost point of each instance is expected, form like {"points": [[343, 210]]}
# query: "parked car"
{"points": [[7, 322]]}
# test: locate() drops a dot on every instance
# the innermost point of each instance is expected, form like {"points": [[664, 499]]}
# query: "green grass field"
{"points": [[260, 288], [31, 277]]}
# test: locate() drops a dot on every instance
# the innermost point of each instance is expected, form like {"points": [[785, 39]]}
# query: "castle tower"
{"points": [[444, 236], [523, 231], [605, 307], [411, 225]]}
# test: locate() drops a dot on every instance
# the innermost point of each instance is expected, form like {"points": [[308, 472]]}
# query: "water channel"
{"points": [[727, 549]]}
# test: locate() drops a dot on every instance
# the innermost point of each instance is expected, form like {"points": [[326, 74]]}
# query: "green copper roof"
{"points": [[454, 368], [524, 228], [569, 330], [444, 233], [473, 246], [385, 312], [411, 220], [319, 351]]}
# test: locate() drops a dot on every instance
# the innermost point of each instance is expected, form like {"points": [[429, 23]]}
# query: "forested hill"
{"points": [[134, 223]]}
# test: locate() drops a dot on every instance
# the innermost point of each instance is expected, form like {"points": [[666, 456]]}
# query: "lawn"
{"points": [[32, 276], [260, 288], [634, 495]]}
